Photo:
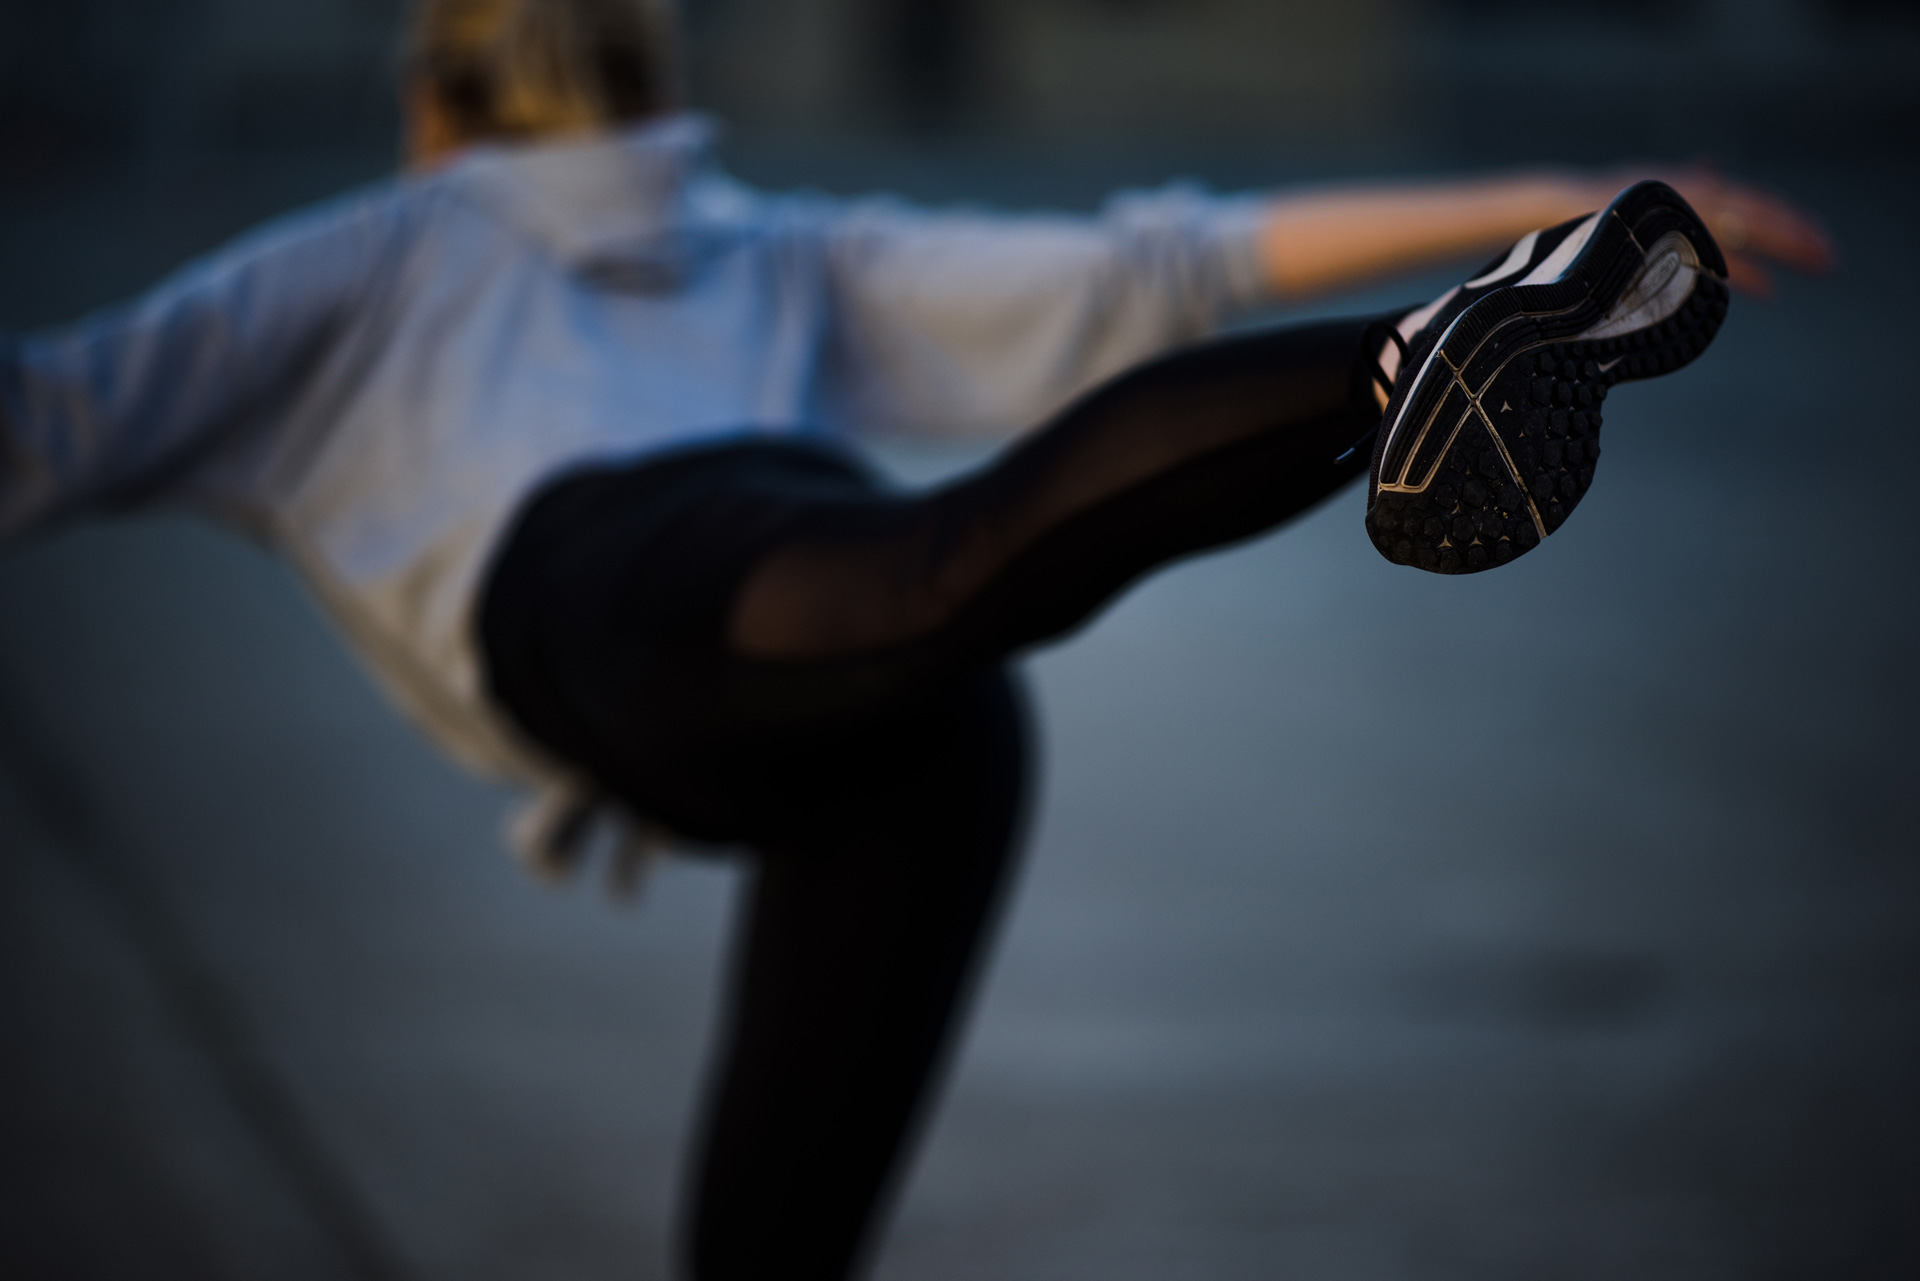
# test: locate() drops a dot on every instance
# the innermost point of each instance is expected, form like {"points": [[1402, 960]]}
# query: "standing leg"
{"points": [[864, 930]]}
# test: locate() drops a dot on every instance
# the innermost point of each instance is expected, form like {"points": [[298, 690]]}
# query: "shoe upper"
{"points": [[1539, 257]]}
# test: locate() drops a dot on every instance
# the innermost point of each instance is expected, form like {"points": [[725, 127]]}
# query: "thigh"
{"points": [[602, 621], [1219, 442]]}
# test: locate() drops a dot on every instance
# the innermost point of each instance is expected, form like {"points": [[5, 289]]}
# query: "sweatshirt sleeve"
{"points": [[971, 323], [119, 406]]}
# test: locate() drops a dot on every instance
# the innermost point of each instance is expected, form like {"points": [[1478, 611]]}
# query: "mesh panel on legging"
{"points": [[1214, 443]]}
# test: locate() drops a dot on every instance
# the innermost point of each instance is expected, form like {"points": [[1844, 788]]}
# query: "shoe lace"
{"points": [[1377, 329]]}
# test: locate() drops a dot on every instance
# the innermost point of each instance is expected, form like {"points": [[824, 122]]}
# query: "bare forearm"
{"points": [[1319, 241]]}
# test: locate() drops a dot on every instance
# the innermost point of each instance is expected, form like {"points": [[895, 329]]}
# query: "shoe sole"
{"points": [[1494, 442]]}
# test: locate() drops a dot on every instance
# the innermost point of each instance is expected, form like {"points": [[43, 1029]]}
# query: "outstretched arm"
{"points": [[118, 406], [962, 322], [1321, 241]]}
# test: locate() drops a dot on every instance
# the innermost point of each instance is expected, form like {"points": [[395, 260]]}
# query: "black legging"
{"points": [[756, 644]]}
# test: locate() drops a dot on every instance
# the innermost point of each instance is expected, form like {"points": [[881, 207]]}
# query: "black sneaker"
{"points": [[1493, 428]]}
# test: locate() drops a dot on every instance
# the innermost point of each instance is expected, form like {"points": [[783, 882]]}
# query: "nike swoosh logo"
{"points": [[1611, 363]]}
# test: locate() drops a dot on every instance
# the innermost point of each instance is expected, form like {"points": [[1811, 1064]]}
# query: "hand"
{"points": [[1755, 229]]}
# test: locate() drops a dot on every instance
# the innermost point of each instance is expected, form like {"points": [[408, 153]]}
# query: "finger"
{"points": [[1702, 187], [1747, 220], [1749, 277], [1752, 222], [1789, 236]]}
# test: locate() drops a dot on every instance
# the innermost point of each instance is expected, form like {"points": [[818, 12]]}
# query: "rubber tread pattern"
{"points": [[1489, 501]]}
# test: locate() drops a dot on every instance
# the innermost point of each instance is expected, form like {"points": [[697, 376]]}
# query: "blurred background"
{"points": [[1556, 923]]}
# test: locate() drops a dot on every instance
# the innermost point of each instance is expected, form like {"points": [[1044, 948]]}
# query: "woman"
{"points": [[557, 427]]}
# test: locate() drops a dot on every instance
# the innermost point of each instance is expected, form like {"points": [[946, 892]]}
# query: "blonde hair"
{"points": [[526, 68]]}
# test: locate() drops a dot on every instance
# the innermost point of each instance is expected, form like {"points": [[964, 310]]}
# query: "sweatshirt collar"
{"points": [[608, 202]]}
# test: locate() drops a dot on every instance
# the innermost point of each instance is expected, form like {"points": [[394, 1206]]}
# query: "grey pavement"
{"points": [[1561, 922]]}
